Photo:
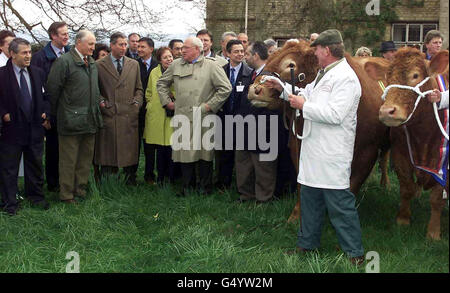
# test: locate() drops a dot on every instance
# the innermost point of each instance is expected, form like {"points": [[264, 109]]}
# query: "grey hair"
{"points": [[270, 42], [363, 50], [226, 34], [196, 42], [14, 45], [82, 34]]}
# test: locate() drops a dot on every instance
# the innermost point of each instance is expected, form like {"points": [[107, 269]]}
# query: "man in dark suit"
{"points": [[59, 36], [240, 76], [255, 176], [146, 65], [24, 111], [133, 43]]}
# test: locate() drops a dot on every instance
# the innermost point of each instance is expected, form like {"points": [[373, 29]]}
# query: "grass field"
{"points": [[147, 229]]}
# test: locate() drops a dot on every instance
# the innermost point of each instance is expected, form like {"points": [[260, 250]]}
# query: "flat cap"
{"points": [[328, 37]]}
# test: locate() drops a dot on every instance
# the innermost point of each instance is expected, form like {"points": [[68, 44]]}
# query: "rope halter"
{"points": [[420, 95]]}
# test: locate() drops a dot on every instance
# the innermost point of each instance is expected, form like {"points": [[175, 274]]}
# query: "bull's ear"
{"points": [[439, 63], [377, 69]]}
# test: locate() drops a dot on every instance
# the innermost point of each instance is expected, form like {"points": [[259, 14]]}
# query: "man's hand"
{"points": [[207, 108], [171, 106], [7, 118], [296, 102], [102, 104], [434, 97], [272, 84], [46, 123]]}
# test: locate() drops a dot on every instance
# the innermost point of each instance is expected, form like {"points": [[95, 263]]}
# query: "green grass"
{"points": [[147, 229]]}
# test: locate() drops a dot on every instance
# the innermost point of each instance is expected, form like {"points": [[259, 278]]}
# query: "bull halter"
{"points": [[420, 95], [307, 123]]}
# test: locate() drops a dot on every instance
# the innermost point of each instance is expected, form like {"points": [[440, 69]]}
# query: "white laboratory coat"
{"points": [[327, 153]]}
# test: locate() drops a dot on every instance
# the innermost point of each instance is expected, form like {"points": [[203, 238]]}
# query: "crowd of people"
{"points": [[97, 105]]}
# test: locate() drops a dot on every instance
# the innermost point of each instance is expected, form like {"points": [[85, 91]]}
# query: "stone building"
{"points": [[403, 21]]}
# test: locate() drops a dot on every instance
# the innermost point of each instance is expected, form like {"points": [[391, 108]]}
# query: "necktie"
{"points": [[321, 74], [119, 66], [26, 96], [253, 76], [232, 78], [233, 83], [85, 61]]}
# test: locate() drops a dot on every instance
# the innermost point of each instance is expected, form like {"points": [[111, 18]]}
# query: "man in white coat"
{"points": [[329, 106]]}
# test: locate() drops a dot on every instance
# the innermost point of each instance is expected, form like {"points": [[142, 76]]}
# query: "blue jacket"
{"points": [[44, 58]]}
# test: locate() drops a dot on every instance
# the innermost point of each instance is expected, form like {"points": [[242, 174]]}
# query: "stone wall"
{"points": [[298, 18]]}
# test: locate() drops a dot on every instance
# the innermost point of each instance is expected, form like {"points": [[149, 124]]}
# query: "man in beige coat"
{"points": [[202, 88], [122, 95]]}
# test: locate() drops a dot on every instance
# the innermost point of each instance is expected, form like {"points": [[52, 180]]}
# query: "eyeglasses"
{"points": [[186, 47]]}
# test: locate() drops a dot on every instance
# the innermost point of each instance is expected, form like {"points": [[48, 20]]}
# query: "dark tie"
{"points": [[253, 76], [321, 74], [26, 96], [233, 83], [232, 79], [119, 66], [85, 61]]}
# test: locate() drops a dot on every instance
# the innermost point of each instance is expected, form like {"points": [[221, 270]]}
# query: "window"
{"points": [[411, 34]]}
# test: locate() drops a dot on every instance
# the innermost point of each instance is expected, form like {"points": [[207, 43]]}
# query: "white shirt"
{"points": [[3, 59], [147, 62], [327, 153], [258, 71]]}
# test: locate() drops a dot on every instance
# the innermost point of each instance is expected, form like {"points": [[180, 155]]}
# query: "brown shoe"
{"points": [[69, 201], [357, 261], [150, 182]]}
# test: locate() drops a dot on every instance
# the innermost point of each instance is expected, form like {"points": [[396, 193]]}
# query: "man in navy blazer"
{"points": [[24, 111], [240, 76], [44, 59]]}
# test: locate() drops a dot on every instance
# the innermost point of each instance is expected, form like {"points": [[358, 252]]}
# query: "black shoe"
{"points": [[43, 204], [53, 188], [10, 212]]}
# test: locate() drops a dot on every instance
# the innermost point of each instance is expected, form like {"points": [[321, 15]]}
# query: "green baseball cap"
{"points": [[328, 37]]}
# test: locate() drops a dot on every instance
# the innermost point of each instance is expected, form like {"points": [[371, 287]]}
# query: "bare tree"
{"points": [[103, 15]]}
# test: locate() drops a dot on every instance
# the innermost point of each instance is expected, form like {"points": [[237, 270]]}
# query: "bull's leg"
{"points": [[408, 190], [295, 214], [364, 159], [384, 164], [437, 204]]}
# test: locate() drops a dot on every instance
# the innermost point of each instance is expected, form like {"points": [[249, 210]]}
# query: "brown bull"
{"points": [[371, 135], [409, 68]]}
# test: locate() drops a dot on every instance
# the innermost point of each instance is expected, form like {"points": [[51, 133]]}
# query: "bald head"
{"points": [[244, 40], [191, 49], [85, 42]]}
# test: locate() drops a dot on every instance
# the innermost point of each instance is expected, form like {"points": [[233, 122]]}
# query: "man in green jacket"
{"points": [[75, 97]]}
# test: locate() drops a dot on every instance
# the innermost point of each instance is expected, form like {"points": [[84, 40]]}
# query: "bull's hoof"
{"points": [[435, 236], [403, 221]]}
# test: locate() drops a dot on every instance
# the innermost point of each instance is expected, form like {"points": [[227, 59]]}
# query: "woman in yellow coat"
{"points": [[157, 130]]}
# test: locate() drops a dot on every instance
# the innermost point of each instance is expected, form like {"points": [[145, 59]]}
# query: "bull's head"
{"points": [[409, 68], [294, 54]]}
